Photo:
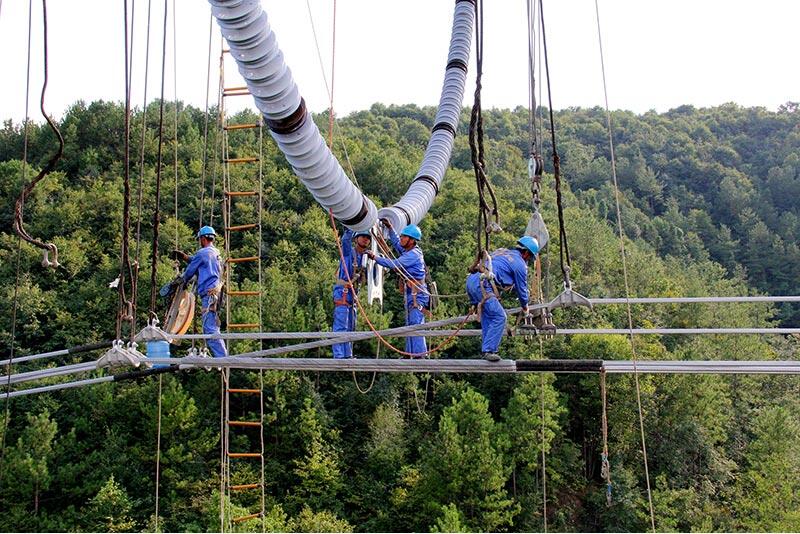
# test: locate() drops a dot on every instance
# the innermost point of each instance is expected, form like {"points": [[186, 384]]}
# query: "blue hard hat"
{"points": [[529, 243], [206, 231], [412, 231], [364, 233]]}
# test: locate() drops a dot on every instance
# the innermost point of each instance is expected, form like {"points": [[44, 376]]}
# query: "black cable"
{"points": [[562, 232]]}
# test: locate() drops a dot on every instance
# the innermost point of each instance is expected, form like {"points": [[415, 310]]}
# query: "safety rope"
{"points": [[374, 373], [488, 217], [159, 161], [205, 123], [19, 206], [562, 232], [140, 188], [625, 273], [374, 330]]}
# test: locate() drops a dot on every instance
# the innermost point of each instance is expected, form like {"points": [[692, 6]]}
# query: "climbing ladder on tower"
{"points": [[242, 432]]}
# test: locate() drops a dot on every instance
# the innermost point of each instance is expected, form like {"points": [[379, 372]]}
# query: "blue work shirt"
{"points": [[409, 262], [511, 271], [207, 265], [352, 259]]}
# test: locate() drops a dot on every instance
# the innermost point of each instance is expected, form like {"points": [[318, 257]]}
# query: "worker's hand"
{"points": [[177, 282], [525, 311], [179, 255], [370, 255], [386, 223]]}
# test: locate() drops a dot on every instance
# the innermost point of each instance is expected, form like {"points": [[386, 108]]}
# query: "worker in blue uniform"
{"points": [[509, 269], [350, 276], [206, 264], [410, 265]]}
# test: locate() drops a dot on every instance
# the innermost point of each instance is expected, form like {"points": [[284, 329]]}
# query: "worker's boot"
{"points": [[491, 356]]}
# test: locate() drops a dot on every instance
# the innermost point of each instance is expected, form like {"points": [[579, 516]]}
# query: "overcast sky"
{"points": [[658, 55]]}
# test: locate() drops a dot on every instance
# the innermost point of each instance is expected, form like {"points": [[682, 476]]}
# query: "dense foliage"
{"points": [[709, 207]]}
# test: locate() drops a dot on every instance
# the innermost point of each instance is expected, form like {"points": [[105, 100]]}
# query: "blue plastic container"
{"points": [[158, 349]]}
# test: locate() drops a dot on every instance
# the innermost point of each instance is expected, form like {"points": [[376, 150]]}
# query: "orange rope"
{"points": [[388, 345]]}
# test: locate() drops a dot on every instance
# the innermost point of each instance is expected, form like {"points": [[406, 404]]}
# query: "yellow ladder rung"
{"points": [[245, 518], [241, 227], [240, 193], [240, 260], [244, 454], [241, 160], [243, 325], [242, 126], [240, 390], [244, 423], [239, 487], [243, 293]]}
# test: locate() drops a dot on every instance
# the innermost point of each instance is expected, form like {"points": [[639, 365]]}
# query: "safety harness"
{"points": [[358, 278]]}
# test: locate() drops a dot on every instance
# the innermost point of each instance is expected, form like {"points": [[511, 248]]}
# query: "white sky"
{"points": [[658, 55]]}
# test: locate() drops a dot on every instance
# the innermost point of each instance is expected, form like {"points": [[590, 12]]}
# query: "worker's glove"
{"points": [[179, 255], [386, 223], [170, 287], [370, 255], [525, 312]]}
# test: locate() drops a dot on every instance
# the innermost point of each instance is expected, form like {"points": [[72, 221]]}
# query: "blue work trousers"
{"points": [[344, 320], [416, 315], [493, 316], [211, 326]]}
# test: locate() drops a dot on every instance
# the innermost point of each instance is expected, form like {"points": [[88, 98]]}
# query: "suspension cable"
{"points": [[625, 271], [140, 193], [51, 164], [156, 210], [562, 232]]}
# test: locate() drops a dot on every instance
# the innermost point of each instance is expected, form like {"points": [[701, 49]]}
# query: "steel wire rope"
{"points": [[140, 186], [624, 269], [19, 206], [544, 455], [7, 410], [439, 347], [159, 161], [175, 114], [125, 307], [205, 123]]}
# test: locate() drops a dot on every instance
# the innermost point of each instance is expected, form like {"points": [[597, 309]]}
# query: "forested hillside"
{"points": [[709, 207]]}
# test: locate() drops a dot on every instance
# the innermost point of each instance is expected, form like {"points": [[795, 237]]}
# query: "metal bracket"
{"points": [[120, 356], [152, 332], [568, 298]]}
